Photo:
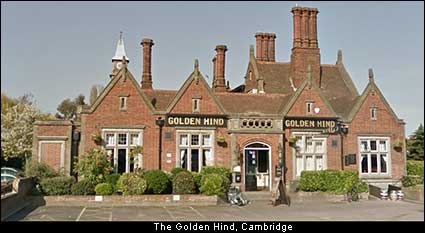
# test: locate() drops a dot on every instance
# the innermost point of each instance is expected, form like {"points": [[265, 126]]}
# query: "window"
{"points": [[310, 153], [194, 150], [119, 144], [309, 105], [373, 112], [374, 155], [196, 105], [123, 103]]}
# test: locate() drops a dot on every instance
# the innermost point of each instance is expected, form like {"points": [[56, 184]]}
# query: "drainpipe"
{"points": [[160, 123]]}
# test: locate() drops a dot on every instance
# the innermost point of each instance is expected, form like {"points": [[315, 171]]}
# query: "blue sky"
{"points": [[57, 50]]}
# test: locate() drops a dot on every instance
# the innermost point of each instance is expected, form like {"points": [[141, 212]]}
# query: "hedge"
{"points": [[38, 171], [131, 184], [104, 189], [83, 187], [212, 184], [338, 182], [415, 168], [60, 185], [158, 182]]}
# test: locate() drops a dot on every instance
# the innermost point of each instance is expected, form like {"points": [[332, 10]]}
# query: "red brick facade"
{"points": [[288, 86]]}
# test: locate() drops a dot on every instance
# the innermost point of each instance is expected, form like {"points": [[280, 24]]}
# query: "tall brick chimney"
{"points": [[305, 49], [265, 43], [219, 82], [214, 70], [147, 63]]}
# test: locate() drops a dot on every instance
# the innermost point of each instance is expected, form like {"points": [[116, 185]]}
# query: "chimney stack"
{"points": [[265, 46], [219, 82], [147, 63], [305, 27]]}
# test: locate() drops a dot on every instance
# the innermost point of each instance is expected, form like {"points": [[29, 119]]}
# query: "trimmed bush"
{"points": [[197, 179], [183, 183], [94, 166], [222, 171], [38, 171], [104, 189], [212, 184], [158, 182], [83, 187], [412, 180], [415, 168], [338, 182], [131, 184], [60, 185], [113, 179], [177, 170]]}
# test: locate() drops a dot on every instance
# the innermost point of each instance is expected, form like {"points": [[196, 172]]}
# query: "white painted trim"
{"points": [[194, 131], [270, 160], [370, 175], [62, 155]]}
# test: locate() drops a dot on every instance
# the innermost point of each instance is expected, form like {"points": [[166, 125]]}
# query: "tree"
{"points": [[93, 94], [67, 109], [415, 145], [7, 103]]}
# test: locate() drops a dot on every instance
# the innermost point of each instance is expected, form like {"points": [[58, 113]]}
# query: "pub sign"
{"points": [[192, 120], [326, 125]]}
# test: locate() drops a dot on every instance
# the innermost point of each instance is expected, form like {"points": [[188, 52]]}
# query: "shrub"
{"points": [[83, 187], [94, 166], [411, 180], [38, 171], [177, 170], [212, 184], [131, 184], [113, 179], [60, 185], [183, 183], [197, 179], [104, 189], [338, 182], [415, 168], [158, 182], [222, 171]]}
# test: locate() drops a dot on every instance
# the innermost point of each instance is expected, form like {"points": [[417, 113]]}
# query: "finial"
{"points": [[124, 61], [370, 75], [196, 69], [196, 64], [251, 50], [339, 58]]}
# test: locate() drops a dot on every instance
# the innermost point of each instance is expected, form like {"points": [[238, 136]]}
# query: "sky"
{"points": [[57, 50]]}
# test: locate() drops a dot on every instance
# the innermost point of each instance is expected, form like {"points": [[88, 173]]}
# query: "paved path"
{"points": [[368, 210]]}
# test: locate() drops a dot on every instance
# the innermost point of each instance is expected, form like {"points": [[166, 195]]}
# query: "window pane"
{"points": [[122, 163], [383, 163], [319, 147], [373, 146], [110, 139], [363, 146], [122, 139], [194, 160], [183, 139], [374, 163], [363, 163], [263, 161], [309, 147], [134, 139], [183, 158], [194, 140], [309, 163], [300, 143], [319, 162], [299, 163], [208, 160], [383, 146], [206, 140], [132, 160]]}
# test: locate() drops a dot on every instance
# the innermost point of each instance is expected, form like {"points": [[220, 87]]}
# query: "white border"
{"points": [[62, 156], [270, 160]]}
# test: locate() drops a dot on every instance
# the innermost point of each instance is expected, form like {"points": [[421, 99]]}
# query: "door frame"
{"points": [[246, 147]]}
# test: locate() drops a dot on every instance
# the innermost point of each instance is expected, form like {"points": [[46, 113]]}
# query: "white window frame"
{"points": [[374, 113], [123, 98], [200, 147], [368, 152], [316, 136], [196, 104], [127, 146], [309, 107]]}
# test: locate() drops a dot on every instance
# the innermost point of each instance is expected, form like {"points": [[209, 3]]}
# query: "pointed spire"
{"points": [[371, 75], [120, 51], [339, 58]]}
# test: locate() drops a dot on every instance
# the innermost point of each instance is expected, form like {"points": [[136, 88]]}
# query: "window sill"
{"points": [[367, 176]]}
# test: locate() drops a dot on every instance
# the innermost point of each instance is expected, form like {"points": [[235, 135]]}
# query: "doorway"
{"points": [[257, 167], [122, 162]]}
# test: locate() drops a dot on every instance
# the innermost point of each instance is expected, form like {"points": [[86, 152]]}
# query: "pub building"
{"points": [[285, 118]]}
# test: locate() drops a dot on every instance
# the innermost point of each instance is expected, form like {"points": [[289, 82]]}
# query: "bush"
{"points": [[177, 170], [222, 171], [338, 182], [131, 184], [415, 168], [104, 189], [83, 187], [158, 182], [412, 180], [94, 166], [212, 184], [60, 185], [183, 183], [38, 171], [113, 179], [197, 179]]}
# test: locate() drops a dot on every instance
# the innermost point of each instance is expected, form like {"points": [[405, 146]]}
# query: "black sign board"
{"points": [[196, 120], [327, 125], [350, 159]]}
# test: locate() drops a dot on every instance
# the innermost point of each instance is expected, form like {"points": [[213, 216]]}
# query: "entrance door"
{"points": [[257, 167], [122, 163]]}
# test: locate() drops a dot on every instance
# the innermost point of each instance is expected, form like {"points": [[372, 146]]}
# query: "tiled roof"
{"points": [[252, 103], [160, 98], [276, 76]]}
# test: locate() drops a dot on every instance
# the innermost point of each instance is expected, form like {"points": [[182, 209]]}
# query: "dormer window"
{"points": [[373, 113], [196, 104], [123, 103], [309, 107]]}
